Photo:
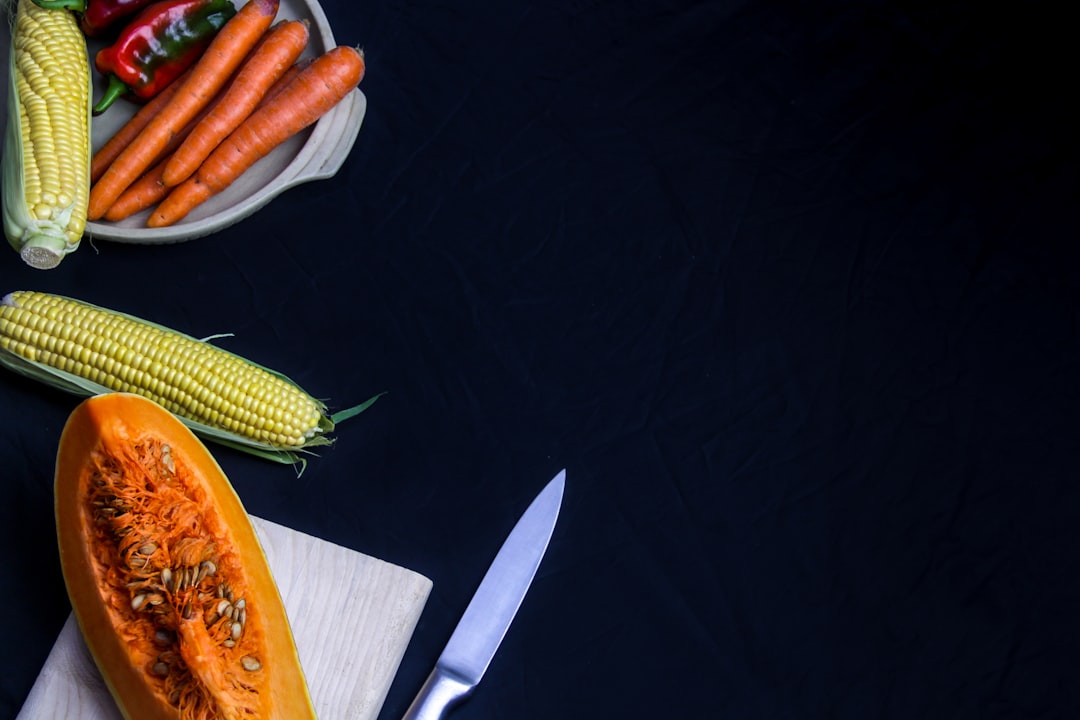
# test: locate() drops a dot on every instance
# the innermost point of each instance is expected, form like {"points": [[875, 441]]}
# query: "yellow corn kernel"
{"points": [[191, 378], [46, 164]]}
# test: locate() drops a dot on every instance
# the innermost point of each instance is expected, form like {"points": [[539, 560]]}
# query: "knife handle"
{"points": [[440, 692]]}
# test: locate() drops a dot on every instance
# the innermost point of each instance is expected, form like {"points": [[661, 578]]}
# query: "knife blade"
{"points": [[481, 629]]}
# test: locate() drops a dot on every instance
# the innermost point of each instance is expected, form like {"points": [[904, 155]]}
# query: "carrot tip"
{"points": [[267, 7]]}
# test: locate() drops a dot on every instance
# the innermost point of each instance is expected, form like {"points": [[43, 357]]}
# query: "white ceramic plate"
{"points": [[316, 153]]}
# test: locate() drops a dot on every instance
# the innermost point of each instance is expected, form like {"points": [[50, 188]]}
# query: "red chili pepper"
{"points": [[97, 16], [157, 45], [101, 15]]}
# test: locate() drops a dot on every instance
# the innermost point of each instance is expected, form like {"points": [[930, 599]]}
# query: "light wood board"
{"points": [[352, 616]]}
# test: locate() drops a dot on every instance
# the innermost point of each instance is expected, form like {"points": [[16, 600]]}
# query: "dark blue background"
{"points": [[791, 291]]}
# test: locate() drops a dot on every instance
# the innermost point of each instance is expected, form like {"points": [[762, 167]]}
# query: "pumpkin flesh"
{"points": [[166, 576]]}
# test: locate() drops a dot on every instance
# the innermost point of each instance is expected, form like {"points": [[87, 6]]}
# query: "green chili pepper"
{"points": [[157, 46]]}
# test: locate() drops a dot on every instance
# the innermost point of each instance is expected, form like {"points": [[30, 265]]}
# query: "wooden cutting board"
{"points": [[352, 616]]}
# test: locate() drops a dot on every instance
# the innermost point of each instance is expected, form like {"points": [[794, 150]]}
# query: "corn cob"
{"points": [[46, 164], [88, 350]]}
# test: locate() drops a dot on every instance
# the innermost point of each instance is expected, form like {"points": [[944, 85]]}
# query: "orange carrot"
{"points": [[129, 130], [282, 46], [150, 188], [147, 190], [226, 51], [286, 78], [314, 91]]}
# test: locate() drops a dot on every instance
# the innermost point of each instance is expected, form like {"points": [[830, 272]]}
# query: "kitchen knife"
{"points": [[491, 610]]}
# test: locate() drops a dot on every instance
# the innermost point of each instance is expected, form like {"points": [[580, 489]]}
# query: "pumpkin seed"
{"points": [[167, 459], [207, 567], [250, 664]]}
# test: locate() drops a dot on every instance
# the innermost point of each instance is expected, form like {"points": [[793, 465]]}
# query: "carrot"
{"points": [[226, 51], [150, 188], [314, 91], [284, 79], [129, 130], [283, 45], [139, 195]]}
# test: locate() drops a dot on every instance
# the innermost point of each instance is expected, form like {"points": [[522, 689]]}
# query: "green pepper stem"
{"points": [[113, 90], [73, 5]]}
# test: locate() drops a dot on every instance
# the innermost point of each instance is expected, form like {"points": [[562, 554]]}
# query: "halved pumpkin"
{"points": [[167, 579]]}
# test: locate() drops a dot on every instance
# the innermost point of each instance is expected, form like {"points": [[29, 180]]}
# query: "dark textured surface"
{"points": [[791, 291]]}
